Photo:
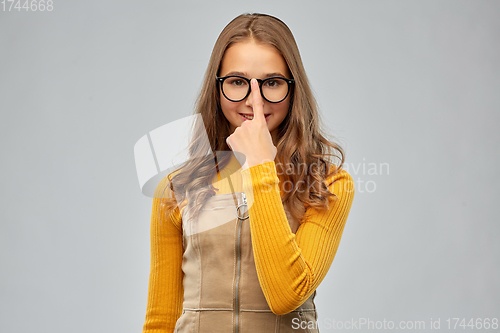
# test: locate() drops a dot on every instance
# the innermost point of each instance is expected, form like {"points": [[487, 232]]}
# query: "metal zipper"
{"points": [[238, 262]]}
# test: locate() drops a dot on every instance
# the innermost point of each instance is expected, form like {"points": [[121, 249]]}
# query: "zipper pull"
{"points": [[244, 204]]}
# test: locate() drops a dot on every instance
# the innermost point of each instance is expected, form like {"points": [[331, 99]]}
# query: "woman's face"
{"points": [[259, 61]]}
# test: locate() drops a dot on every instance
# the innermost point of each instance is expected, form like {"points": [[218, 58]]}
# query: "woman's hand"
{"points": [[253, 138]]}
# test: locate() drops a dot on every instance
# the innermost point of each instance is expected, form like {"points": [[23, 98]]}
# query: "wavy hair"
{"points": [[301, 138]]}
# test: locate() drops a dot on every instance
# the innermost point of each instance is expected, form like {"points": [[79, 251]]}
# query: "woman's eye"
{"points": [[237, 82], [272, 83]]}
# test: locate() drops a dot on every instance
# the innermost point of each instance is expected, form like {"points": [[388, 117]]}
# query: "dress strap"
{"points": [[228, 178]]}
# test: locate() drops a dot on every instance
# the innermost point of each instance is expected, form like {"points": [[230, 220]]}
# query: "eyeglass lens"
{"points": [[236, 88]]}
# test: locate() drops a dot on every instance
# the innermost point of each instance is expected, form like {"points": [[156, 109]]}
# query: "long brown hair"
{"points": [[301, 139]]}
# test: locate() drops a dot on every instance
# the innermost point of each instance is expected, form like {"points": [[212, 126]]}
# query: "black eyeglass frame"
{"points": [[221, 80]]}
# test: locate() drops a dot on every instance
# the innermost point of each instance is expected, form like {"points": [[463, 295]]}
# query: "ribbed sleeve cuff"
{"points": [[260, 177]]}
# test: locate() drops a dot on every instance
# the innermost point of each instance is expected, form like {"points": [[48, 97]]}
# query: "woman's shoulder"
{"points": [[337, 175], [163, 189]]}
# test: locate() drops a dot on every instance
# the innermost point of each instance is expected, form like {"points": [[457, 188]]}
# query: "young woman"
{"points": [[241, 238]]}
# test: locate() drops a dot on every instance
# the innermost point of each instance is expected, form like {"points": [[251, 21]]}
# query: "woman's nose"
{"points": [[249, 99]]}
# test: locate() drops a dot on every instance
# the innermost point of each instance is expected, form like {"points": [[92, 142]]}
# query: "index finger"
{"points": [[257, 101]]}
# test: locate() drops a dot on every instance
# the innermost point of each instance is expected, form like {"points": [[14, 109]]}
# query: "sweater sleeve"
{"points": [[291, 266], [165, 291]]}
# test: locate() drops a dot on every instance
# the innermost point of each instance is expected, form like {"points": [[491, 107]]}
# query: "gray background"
{"points": [[413, 84]]}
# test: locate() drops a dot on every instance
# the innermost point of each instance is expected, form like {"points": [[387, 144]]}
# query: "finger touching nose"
{"points": [[254, 96]]}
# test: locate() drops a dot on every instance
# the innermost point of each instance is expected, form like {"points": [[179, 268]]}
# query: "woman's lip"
{"points": [[250, 114]]}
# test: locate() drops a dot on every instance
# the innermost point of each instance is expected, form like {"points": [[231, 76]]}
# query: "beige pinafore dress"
{"points": [[221, 288]]}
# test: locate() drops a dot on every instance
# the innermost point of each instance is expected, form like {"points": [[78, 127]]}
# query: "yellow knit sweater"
{"points": [[298, 263]]}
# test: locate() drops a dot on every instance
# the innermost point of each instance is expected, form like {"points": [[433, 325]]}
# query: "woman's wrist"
{"points": [[250, 163]]}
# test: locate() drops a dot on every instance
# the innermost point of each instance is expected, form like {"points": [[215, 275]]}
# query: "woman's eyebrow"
{"points": [[236, 73], [265, 76], [274, 74]]}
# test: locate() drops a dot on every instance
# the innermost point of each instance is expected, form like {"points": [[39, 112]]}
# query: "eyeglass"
{"points": [[273, 89]]}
